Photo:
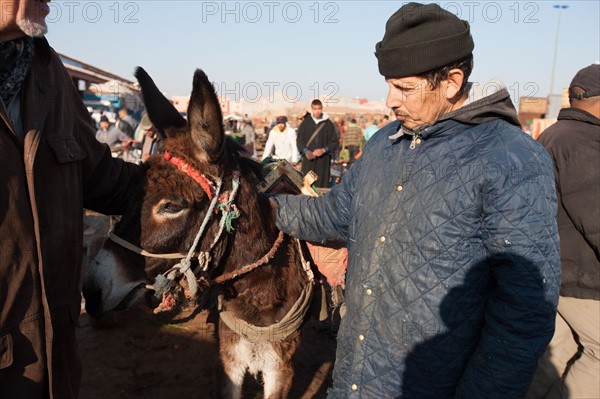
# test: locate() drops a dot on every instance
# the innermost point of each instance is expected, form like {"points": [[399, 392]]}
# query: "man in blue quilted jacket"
{"points": [[449, 217]]}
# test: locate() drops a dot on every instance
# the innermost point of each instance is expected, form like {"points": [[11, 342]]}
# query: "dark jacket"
{"points": [[574, 144], [45, 182], [453, 271], [127, 125], [326, 138]]}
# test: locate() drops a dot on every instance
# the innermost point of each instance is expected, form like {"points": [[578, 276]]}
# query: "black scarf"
{"points": [[15, 59]]}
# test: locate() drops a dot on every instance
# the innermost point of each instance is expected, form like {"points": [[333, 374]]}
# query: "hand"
{"points": [[309, 155], [319, 152]]}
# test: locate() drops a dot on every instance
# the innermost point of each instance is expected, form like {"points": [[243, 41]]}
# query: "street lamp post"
{"points": [[560, 7]]}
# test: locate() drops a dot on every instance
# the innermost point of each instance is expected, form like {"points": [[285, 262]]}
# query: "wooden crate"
{"points": [[282, 178]]}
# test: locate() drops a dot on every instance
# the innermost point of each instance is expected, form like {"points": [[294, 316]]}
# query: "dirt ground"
{"points": [[135, 354]]}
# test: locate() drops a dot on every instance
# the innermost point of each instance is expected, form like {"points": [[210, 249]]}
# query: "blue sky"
{"points": [[251, 48]]}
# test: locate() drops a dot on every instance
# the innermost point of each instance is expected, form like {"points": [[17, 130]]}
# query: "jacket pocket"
{"points": [[66, 149], [6, 351]]}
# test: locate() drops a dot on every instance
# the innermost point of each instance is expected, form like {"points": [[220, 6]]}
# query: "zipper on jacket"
{"points": [[414, 141]]}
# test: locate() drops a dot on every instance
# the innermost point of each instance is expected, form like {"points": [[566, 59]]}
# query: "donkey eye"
{"points": [[170, 207]]}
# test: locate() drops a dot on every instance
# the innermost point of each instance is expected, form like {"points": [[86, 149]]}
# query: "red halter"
{"points": [[192, 172]]}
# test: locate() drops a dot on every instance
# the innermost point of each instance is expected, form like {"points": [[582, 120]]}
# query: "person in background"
{"points": [[126, 123], [449, 218], [352, 139], [570, 368], [340, 126], [385, 121], [151, 142], [371, 130], [318, 141], [230, 125], [52, 167], [249, 134], [281, 143], [111, 135]]}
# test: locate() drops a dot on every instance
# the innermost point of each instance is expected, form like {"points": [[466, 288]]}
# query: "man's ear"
{"points": [[453, 83]]}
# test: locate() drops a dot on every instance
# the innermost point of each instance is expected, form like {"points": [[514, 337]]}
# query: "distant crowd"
{"points": [[127, 137], [339, 144], [277, 139]]}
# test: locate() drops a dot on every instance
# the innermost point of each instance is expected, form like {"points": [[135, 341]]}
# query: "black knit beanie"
{"points": [[422, 37]]}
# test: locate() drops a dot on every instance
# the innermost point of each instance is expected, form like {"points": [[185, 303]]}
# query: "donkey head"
{"points": [[172, 200]]}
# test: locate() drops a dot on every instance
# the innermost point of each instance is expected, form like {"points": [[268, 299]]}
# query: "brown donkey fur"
{"points": [[164, 217]]}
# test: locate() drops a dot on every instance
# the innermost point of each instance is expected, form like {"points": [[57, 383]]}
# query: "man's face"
{"points": [[414, 102], [104, 125], [23, 17], [317, 111], [281, 126]]}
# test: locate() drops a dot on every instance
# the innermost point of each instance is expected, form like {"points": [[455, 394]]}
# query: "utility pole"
{"points": [[560, 7]]}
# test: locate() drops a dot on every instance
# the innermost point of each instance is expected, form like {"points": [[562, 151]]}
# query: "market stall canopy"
{"points": [[128, 93], [235, 117]]}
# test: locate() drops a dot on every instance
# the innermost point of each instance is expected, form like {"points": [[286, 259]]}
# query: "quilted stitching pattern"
{"points": [[453, 270]]}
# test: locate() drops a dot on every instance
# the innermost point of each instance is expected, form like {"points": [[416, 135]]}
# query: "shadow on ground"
{"points": [[135, 354]]}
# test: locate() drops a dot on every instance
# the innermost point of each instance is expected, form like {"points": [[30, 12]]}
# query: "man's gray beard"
{"points": [[31, 28]]}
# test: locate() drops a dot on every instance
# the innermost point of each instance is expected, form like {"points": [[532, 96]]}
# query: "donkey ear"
{"points": [[161, 112], [205, 119]]}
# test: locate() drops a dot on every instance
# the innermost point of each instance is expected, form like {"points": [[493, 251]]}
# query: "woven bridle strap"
{"points": [[140, 251], [192, 172], [252, 266]]}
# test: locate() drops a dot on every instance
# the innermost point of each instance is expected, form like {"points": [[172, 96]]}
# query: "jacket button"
{"points": [[354, 387], [382, 239], [361, 337], [369, 292], [418, 141], [70, 153], [399, 188]]}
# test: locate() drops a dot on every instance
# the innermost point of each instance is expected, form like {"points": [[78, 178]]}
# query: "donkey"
{"points": [[197, 224]]}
